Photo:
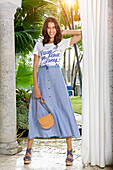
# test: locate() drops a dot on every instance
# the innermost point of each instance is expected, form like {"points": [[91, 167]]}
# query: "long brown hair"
{"points": [[58, 36]]}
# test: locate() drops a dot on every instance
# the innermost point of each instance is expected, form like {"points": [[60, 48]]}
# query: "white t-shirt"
{"points": [[49, 53]]}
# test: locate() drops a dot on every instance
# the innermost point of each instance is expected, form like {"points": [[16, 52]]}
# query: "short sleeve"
{"points": [[65, 43], [36, 49]]}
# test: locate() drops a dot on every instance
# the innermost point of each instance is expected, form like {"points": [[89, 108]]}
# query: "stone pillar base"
{"points": [[10, 148]]}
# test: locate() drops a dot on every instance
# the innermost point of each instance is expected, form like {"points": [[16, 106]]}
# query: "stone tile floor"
{"points": [[48, 154]]}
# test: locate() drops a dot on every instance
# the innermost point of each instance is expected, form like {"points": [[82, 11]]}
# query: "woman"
{"points": [[49, 84]]}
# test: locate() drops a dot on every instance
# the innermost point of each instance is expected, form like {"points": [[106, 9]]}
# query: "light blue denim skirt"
{"points": [[53, 89]]}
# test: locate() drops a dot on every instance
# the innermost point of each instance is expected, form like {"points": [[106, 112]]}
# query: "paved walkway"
{"points": [[48, 154]]}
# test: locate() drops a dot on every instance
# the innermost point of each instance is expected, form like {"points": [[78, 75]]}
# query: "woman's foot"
{"points": [[69, 159], [27, 158]]}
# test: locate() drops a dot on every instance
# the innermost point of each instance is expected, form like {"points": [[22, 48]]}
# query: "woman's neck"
{"points": [[51, 40]]}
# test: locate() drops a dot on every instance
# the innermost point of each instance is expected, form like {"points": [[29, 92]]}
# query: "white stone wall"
{"points": [[110, 52]]}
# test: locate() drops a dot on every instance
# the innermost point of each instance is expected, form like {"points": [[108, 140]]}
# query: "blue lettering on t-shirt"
{"points": [[43, 52], [52, 60], [44, 58], [50, 53], [49, 56]]}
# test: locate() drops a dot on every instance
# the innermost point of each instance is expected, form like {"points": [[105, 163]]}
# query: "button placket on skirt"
{"points": [[47, 68]]}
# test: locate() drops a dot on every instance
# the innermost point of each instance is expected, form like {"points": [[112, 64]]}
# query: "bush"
{"points": [[22, 108], [22, 117]]}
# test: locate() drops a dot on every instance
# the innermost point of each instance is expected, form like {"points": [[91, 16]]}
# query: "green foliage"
{"points": [[24, 76], [77, 104], [24, 42], [22, 117], [22, 108]]}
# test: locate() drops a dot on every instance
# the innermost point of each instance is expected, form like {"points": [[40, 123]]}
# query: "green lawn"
{"points": [[77, 104]]}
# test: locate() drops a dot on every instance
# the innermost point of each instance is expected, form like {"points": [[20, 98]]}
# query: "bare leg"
{"points": [[29, 145], [30, 141], [69, 145]]}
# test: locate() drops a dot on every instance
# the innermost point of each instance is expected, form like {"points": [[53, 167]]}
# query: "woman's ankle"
{"points": [[30, 147], [70, 148]]}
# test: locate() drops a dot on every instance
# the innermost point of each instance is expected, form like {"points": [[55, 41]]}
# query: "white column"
{"points": [[8, 142]]}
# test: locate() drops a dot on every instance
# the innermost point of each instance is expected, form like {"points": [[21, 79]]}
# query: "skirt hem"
{"points": [[54, 137]]}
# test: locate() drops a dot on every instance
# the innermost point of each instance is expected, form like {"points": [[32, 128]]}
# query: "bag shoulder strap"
{"points": [[42, 102]]}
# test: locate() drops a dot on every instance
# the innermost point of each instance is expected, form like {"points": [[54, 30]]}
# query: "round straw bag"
{"points": [[46, 121]]}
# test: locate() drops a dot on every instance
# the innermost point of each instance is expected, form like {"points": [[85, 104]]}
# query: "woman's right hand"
{"points": [[37, 93]]}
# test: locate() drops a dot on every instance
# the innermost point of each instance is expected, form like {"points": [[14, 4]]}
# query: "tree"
{"points": [[67, 18]]}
